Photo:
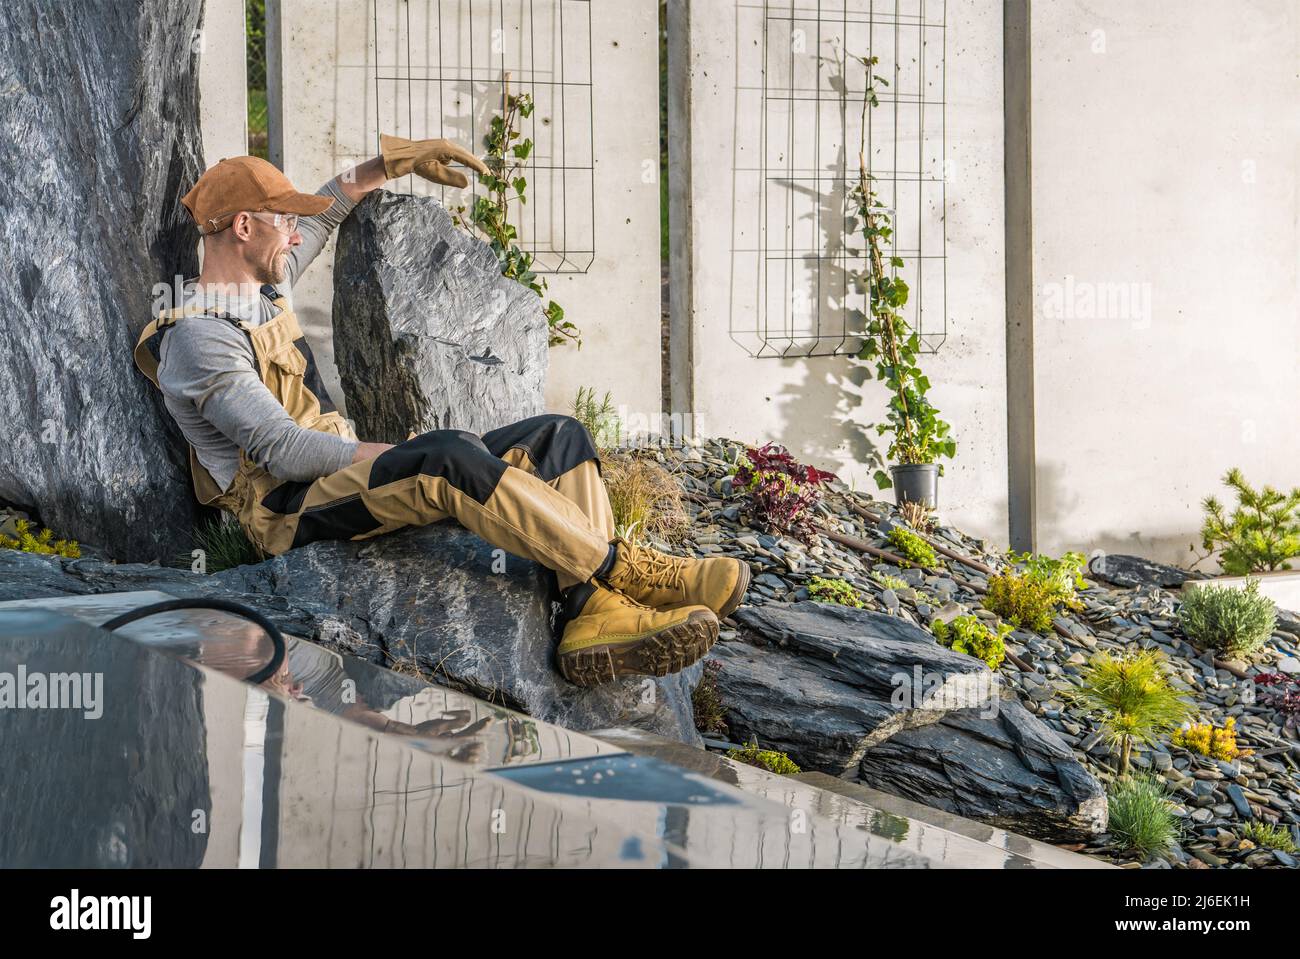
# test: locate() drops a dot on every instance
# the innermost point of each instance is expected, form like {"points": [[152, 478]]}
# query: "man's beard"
{"points": [[274, 273]]}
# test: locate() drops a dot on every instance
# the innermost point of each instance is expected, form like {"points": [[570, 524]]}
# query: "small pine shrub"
{"points": [[43, 542], [1141, 817], [1236, 621], [599, 417], [769, 759], [1133, 697], [707, 703], [1030, 597], [1210, 740], [1269, 836], [835, 591], [1261, 534], [966, 634], [914, 549]]}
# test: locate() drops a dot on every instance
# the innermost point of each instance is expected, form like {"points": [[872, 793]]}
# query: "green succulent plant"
{"points": [[966, 634], [913, 548], [835, 591]]}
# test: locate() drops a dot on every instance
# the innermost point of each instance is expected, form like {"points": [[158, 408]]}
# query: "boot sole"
{"points": [[668, 651]]}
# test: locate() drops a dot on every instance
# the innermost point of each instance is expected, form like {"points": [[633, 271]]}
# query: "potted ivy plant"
{"points": [[919, 436]]}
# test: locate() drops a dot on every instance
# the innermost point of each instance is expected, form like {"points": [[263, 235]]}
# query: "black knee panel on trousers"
{"points": [[554, 442], [341, 520], [458, 456]]}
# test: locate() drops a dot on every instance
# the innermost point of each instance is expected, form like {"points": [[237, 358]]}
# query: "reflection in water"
{"points": [[441, 721], [86, 792], [188, 767]]}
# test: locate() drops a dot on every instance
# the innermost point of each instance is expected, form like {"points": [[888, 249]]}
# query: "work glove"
{"points": [[427, 158]]}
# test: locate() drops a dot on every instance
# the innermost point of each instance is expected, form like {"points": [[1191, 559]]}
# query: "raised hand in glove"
{"points": [[427, 158]]}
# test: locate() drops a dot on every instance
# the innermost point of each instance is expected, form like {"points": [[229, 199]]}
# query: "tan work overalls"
{"points": [[531, 487]]}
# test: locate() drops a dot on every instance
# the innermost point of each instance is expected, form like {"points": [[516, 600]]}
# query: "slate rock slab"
{"points": [[428, 334], [824, 683], [1130, 571], [99, 139], [1008, 769]]}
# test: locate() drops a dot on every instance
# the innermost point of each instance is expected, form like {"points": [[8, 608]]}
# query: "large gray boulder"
{"points": [[434, 596], [1002, 767], [99, 139], [428, 334], [824, 683]]}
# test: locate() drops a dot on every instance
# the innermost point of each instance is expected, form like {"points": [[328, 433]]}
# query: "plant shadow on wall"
{"points": [[819, 407], [1060, 501]]}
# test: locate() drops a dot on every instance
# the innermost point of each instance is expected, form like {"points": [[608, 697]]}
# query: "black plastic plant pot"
{"points": [[916, 483]]}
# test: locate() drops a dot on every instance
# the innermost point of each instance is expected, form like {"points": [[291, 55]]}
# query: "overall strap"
{"points": [[148, 348]]}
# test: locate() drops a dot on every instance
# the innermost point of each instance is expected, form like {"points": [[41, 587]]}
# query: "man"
{"points": [[267, 444]]}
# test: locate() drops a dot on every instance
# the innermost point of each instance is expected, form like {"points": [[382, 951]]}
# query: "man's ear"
{"points": [[242, 225]]}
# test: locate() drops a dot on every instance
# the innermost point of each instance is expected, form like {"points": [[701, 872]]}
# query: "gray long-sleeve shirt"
{"points": [[208, 374]]}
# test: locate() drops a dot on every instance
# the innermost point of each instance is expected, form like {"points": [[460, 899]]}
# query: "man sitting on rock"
{"points": [[267, 445]]}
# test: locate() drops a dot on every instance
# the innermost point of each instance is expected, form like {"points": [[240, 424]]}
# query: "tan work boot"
{"points": [[663, 581], [607, 636]]}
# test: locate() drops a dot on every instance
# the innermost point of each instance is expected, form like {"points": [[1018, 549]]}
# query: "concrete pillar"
{"points": [[1020, 275], [680, 212], [223, 84], [223, 81]]}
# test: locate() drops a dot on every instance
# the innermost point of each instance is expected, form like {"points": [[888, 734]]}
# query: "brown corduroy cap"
{"points": [[246, 183]]}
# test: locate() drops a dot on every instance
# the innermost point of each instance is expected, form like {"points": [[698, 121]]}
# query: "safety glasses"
{"points": [[286, 223]]}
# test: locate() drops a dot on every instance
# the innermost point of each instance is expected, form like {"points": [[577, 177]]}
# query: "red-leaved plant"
{"points": [[781, 491], [1285, 698]]}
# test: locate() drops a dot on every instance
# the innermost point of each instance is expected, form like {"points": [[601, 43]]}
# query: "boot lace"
{"points": [[654, 568], [628, 601]]}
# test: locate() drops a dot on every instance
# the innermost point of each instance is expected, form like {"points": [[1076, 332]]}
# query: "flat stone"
{"points": [[823, 683], [948, 612], [1239, 800], [1008, 770], [1207, 857], [1288, 664], [1130, 571]]}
